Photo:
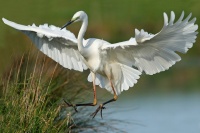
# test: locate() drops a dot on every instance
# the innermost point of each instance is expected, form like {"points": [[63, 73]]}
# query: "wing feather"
{"points": [[155, 53], [60, 45]]}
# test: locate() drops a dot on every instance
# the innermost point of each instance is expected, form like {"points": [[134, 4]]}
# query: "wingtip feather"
{"points": [[181, 17], [188, 17], [172, 17], [4, 20], [137, 31], [165, 18]]}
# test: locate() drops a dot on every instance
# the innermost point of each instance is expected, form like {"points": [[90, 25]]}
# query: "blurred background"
{"points": [[165, 102]]}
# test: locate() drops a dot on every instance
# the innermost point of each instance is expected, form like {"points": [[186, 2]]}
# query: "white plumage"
{"points": [[115, 66]]}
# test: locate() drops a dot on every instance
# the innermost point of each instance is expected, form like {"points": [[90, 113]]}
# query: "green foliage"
{"points": [[27, 104], [32, 93]]}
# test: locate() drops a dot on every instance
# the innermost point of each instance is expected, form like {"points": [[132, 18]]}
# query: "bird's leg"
{"points": [[71, 105], [101, 106], [85, 104]]}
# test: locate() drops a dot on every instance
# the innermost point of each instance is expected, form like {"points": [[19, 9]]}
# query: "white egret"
{"points": [[115, 67]]}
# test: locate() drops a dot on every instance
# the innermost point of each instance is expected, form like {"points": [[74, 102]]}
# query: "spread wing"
{"points": [[60, 45], [155, 53]]}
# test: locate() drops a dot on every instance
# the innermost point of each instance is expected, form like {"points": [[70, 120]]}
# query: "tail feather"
{"points": [[126, 80]]}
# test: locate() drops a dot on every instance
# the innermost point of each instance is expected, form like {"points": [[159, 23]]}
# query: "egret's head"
{"points": [[78, 16]]}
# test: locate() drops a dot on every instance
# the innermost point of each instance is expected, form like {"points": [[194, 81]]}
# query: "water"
{"points": [[177, 113]]}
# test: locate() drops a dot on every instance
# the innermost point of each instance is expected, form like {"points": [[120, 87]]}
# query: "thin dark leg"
{"points": [[75, 105], [101, 106], [85, 104]]}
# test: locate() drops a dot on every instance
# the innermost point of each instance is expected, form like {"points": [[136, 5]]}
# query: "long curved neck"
{"points": [[82, 33]]}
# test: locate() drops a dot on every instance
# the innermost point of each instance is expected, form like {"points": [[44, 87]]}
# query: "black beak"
{"points": [[68, 23]]}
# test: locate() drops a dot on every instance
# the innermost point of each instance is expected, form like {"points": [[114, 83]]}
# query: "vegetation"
{"points": [[26, 101], [33, 88], [31, 98]]}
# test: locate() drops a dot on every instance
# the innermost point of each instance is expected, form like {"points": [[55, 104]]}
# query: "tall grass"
{"points": [[31, 97], [27, 103]]}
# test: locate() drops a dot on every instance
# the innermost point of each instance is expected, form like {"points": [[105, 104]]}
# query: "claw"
{"points": [[101, 107], [71, 105], [95, 113], [101, 114]]}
